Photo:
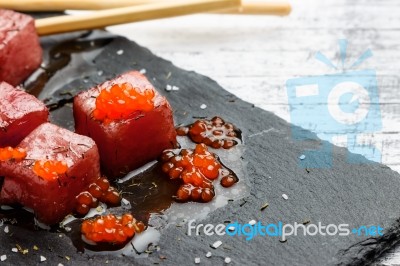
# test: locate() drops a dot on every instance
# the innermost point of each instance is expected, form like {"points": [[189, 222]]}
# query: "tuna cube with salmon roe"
{"points": [[20, 51], [20, 113], [56, 166], [128, 119]]}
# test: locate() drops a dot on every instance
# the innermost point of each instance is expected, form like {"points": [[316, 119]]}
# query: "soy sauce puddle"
{"points": [[75, 59], [65, 67], [149, 191]]}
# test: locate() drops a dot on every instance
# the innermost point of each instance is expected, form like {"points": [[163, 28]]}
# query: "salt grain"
{"points": [[6, 230], [15, 250], [217, 244], [60, 264], [203, 106], [100, 73], [42, 258], [208, 255], [171, 88], [227, 260], [231, 228], [285, 196], [302, 157], [197, 260], [6, 208], [143, 71], [3, 257], [126, 204], [252, 222], [120, 52]]}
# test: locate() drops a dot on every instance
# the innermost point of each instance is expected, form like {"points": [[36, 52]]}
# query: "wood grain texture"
{"points": [[116, 16], [254, 7], [252, 57]]}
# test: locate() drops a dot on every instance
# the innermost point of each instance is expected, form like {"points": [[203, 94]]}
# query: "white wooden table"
{"points": [[253, 56]]}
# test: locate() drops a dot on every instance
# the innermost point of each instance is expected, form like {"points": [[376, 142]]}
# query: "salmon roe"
{"points": [[111, 228], [196, 169], [100, 191], [215, 133], [10, 153], [49, 170], [121, 100]]}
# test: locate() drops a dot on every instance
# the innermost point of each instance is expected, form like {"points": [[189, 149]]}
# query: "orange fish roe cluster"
{"points": [[197, 169], [215, 133], [49, 170], [98, 191], [111, 228], [10, 153], [121, 100]]}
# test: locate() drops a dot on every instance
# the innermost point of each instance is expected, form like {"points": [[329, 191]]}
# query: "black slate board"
{"points": [[355, 194]]}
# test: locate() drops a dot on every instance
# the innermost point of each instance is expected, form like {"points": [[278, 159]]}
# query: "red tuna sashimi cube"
{"points": [[20, 51], [50, 198], [20, 113], [132, 135]]}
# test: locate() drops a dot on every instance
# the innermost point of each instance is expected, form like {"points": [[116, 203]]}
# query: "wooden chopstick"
{"points": [[108, 17], [61, 5], [253, 7]]}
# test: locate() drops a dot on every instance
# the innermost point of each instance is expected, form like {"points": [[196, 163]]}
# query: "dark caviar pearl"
{"points": [[95, 203], [82, 209], [166, 155], [167, 167], [182, 131], [231, 134], [185, 152], [183, 194], [217, 121], [216, 144], [85, 198], [175, 172], [95, 190], [176, 159], [196, 194], [228, 181], [103, 183], [208, 141], [139, 227], [229, 126], [112, 197], [207, 195], [228, 144]]}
